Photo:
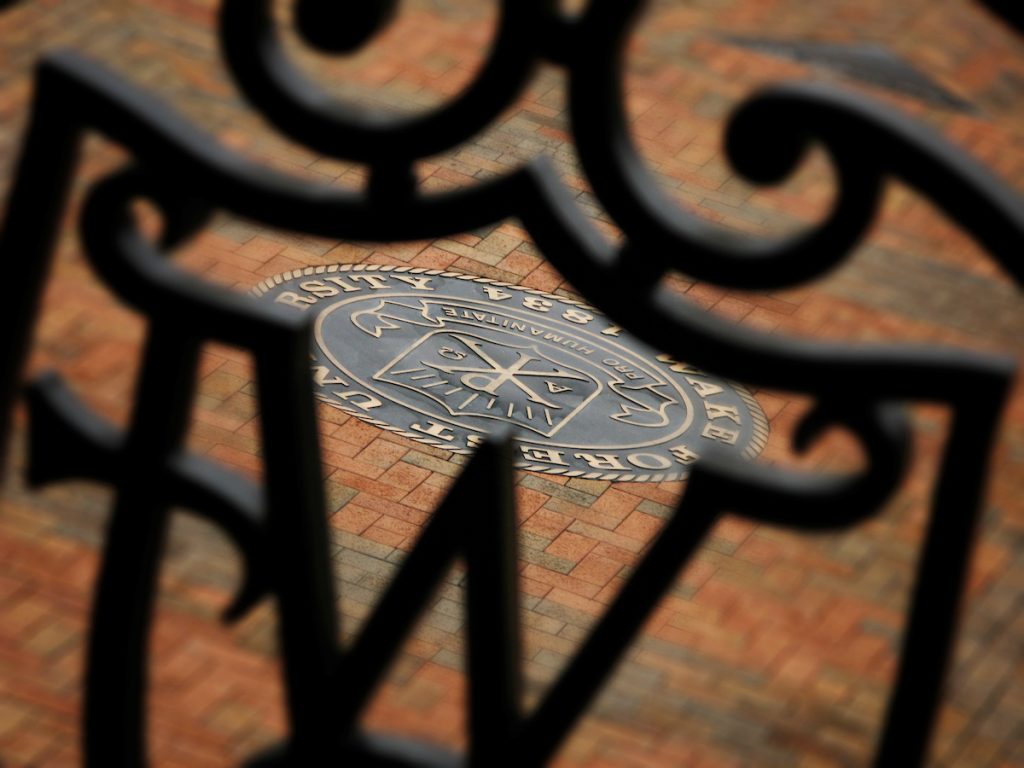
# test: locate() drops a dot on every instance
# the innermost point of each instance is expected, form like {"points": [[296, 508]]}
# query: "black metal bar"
{"points": [[492, 607], [296, 524], [940, 583], [37, 199], [127, 586], [588, 670]]}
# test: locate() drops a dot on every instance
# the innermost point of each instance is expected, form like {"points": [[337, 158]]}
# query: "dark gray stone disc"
{"points": [[444, 358]]}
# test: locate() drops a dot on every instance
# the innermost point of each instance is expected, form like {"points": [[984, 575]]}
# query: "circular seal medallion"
{"points": [[443, 358]]}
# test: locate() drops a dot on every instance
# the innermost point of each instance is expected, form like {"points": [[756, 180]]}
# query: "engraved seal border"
{"points": [[754, 443]]}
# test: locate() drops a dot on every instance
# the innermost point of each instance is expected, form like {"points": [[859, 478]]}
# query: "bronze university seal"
{"points": [[442, 358]]}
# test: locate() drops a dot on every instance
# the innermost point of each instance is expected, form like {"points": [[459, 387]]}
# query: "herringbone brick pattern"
{"points": [[772, 648]]}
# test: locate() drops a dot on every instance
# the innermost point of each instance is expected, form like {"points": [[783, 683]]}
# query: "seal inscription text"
{"points": [[441, 357]]}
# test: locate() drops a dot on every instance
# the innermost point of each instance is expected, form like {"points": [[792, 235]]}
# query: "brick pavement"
{"points": [[771, 649]]}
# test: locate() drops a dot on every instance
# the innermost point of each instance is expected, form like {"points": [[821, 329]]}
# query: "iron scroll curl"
{"points": [[765, 140], [187, 175]]}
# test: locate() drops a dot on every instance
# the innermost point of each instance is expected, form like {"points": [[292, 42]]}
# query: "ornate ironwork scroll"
{"points": [[279, 526]]}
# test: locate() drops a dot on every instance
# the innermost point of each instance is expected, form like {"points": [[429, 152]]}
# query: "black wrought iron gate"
{"points": [[279, 527]]}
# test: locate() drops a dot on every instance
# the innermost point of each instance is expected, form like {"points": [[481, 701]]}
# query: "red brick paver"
{"points": [[771, 648]]}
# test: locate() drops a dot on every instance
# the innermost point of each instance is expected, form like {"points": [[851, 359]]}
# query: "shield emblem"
{"points": [[472, 375]]}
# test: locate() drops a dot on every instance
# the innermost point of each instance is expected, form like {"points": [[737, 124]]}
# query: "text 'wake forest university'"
{"points": [[445, 358]]}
